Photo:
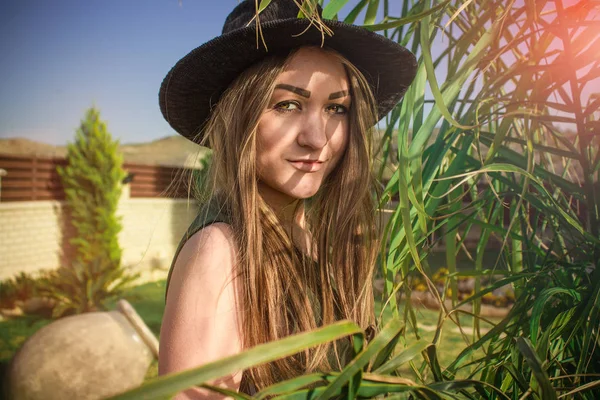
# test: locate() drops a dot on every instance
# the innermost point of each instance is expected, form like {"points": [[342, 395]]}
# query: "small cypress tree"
{"points": [[92, 184]]}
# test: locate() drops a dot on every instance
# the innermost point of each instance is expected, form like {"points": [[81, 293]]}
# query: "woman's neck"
{"points": [[291, 214], [289, 210], [294, 223]]}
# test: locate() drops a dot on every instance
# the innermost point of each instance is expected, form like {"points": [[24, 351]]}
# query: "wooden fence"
{"points": [[36, 178], [157, 181]]}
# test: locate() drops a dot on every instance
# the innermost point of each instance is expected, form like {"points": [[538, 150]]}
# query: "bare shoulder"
{"points": [[201, 251], [204, 266], [200, 323], [218, 234]]}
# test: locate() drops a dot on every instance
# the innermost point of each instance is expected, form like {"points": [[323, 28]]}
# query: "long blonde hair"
{"points": [[340, 218]]}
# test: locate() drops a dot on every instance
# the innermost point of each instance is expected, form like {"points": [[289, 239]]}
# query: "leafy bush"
{"points": [[84, 288], [20, 288]]}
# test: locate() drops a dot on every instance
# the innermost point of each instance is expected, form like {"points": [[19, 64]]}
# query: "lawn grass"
{"points": [[14, 332], [148, 301], [451, 343]]}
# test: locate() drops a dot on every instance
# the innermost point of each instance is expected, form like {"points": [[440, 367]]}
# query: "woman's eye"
{"points": [[287, 106], [337, 109]]}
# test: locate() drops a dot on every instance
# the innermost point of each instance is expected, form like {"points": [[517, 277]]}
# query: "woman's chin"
{"points": [[279, 193], [304, 193]]}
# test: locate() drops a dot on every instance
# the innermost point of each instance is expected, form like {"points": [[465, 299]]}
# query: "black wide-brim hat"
{"points": [[195, 84]]}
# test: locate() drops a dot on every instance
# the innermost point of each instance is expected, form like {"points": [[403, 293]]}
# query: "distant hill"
{"points": [[171, 151]]}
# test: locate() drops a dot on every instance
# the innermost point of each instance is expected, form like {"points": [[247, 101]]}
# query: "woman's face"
{"points": [[303, 132]]}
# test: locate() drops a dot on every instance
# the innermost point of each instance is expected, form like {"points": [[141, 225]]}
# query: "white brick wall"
{"points": [[31, 234], [152, 229], [28, 236]]}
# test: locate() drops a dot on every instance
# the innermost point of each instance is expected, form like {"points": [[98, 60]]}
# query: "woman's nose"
{"points": [[313, 132]]}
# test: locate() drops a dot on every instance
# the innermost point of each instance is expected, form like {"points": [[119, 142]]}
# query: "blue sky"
{"points": [[60, 57]]}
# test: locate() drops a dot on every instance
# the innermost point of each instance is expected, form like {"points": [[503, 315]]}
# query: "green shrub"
{"points": [[92, 185], [84, 287], [20, 288]]}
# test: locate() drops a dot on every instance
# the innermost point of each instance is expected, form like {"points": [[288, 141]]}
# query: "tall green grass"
{"points": [[498, 169]]}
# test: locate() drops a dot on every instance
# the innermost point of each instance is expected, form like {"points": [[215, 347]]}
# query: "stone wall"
{"points": [[34, 234]]}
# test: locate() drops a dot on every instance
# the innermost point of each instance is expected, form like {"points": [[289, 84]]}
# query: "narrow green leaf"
{"points": [[371, 13], [592, 319], [580, 389], [263, 4], [305, 394], [540, 305], [457, 385], [406, 355], [434, 364], [406, 20], [538, 371], [362, 359], [229, 393], [517, 376], [489, 289], [385, 353], [371, 387], [332, 8], [452, 87], [355, 11], [305, 8], [431, 78], [168, 385], [292, 385]]}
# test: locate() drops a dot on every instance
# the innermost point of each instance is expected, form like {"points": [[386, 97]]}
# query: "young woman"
{"points": [[286, 241]]}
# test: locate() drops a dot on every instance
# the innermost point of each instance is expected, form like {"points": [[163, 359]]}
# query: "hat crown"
{"points": [[244, 12]]}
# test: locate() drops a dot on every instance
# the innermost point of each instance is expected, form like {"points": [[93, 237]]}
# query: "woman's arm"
{"points": [[200, 323]]}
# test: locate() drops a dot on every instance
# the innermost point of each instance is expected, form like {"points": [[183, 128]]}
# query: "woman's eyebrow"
{"points": [[294, 89], [337, 95], [306, 93]]}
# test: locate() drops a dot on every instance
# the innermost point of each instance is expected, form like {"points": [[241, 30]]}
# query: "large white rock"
{"points": [[86, 356]]}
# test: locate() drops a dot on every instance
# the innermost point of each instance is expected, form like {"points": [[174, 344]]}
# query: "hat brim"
{"points": [[196, 82]]}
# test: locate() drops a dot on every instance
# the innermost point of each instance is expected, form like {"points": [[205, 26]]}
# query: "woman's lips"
{"points": [[307, 165]]}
